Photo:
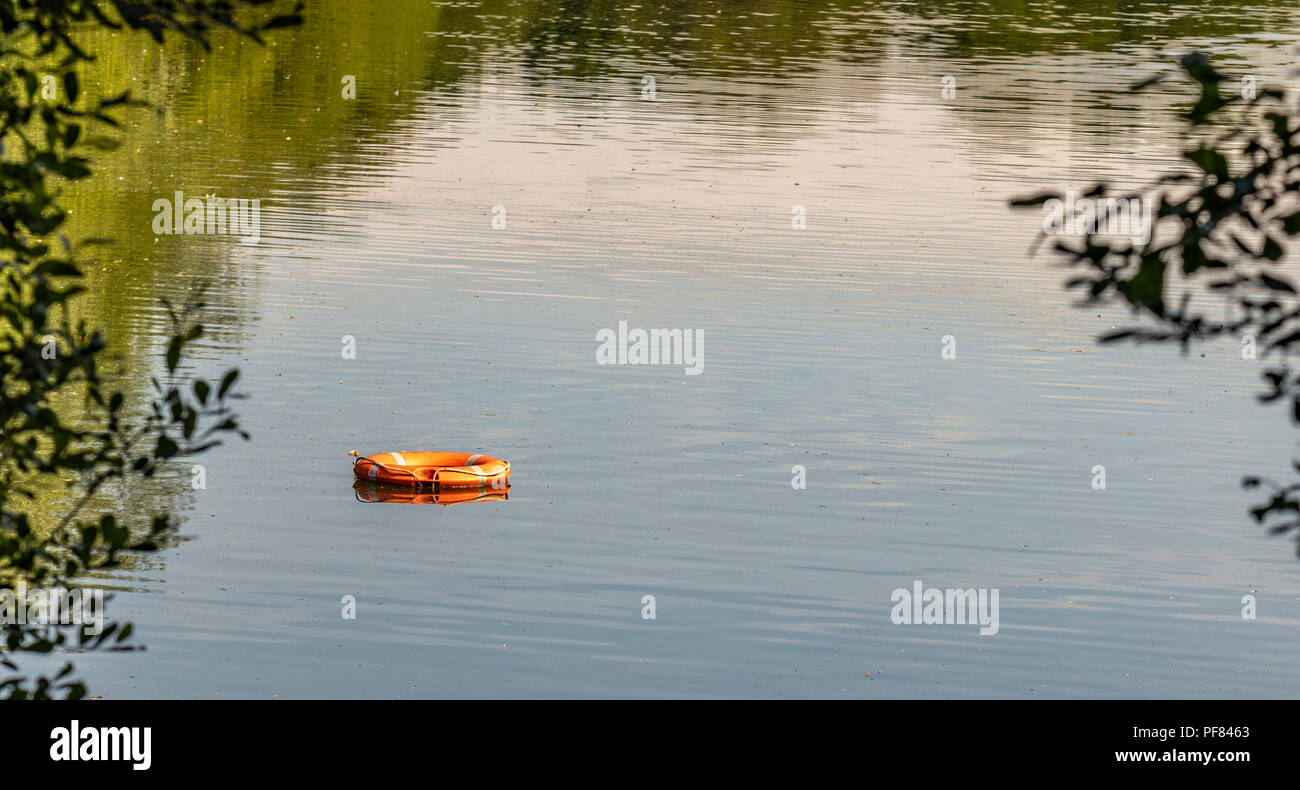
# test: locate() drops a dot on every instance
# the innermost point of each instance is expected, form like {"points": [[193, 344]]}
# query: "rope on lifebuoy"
{"points": [[375, 465]]}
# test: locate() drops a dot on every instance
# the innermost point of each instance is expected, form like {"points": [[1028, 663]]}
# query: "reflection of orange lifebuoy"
{"points": [[445, 470], [374, 492]]}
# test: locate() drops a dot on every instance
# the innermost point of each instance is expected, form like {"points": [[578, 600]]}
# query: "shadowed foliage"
{"points": [[1221, 228], [50, 360]]}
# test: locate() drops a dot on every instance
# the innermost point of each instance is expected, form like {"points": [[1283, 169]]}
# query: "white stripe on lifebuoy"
{"points": [[472, 459], [398, 459], [477, 470], [374, 471]]}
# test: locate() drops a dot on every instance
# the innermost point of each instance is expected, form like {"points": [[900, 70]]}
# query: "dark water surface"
{"points": [[821, 349]]}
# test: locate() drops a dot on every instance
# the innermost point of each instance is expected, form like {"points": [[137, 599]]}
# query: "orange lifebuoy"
{"points": [[445, 470]]}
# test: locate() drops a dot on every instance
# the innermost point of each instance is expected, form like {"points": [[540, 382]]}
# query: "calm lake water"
{"points": [[821, 349]]}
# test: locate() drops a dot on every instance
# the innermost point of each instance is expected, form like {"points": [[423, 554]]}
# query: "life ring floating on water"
{"points": [[445, 470]]}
